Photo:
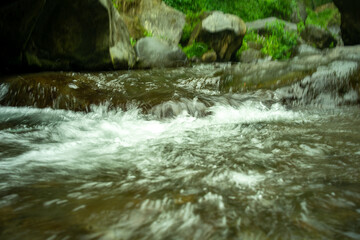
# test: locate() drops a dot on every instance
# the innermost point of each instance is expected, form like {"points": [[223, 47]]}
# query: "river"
{"points": [[179, 159]]}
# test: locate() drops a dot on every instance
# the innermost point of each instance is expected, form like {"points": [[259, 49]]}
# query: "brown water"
{"points": [[182, 161]]}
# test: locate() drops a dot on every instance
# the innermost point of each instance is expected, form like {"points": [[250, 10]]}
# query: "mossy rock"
{"points": [[221, 32]]}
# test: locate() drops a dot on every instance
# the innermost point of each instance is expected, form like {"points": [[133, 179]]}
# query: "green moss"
{"points": [[197, 49], [324, 18]]}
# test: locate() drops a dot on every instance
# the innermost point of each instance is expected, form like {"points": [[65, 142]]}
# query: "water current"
{"points": [[185, 161]]}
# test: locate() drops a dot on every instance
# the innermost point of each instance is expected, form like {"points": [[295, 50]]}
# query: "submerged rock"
{"points": [[153, 53], [160, 92], [222, 32], [60, 90], [65, 35], [334, 71]]}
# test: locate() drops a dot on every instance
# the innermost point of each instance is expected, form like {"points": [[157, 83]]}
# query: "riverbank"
{"points": [[147, 33]]}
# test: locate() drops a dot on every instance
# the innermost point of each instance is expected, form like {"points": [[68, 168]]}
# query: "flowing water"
{"points": [[180, 160]]}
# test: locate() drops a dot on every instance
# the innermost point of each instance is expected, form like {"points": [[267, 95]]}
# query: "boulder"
{"points": [[222, 32], [154, 53], [66, 35], [318, 37], [260, 26], [350, 19], [153, 17], [209, 57]]}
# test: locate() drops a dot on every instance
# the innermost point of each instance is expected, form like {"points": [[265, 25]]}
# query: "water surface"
{"points": [[197, 163]]}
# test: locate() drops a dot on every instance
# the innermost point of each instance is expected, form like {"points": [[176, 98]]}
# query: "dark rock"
{"points": [[336, 32], [209, 57], [59, 90], [17, 20], [153, 53], [318, 37], [222, 32], [350, 19], [65, 35]]}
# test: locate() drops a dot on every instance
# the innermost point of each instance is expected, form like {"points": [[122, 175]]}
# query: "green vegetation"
{"points": [[277, 43], [197, 49], [192, 19], [315, 3], [249, 37], [132, 41], [147, 33], [325, 18], [247, 10], [115, 3]]}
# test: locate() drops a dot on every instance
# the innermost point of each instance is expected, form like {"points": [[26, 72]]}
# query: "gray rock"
{"points": [[250, 55], [66, 35], [318, 37], [306, 50], [222, 32], [154, 17], [260, 25], [153, 53], [162, 21], [218, 22]]}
